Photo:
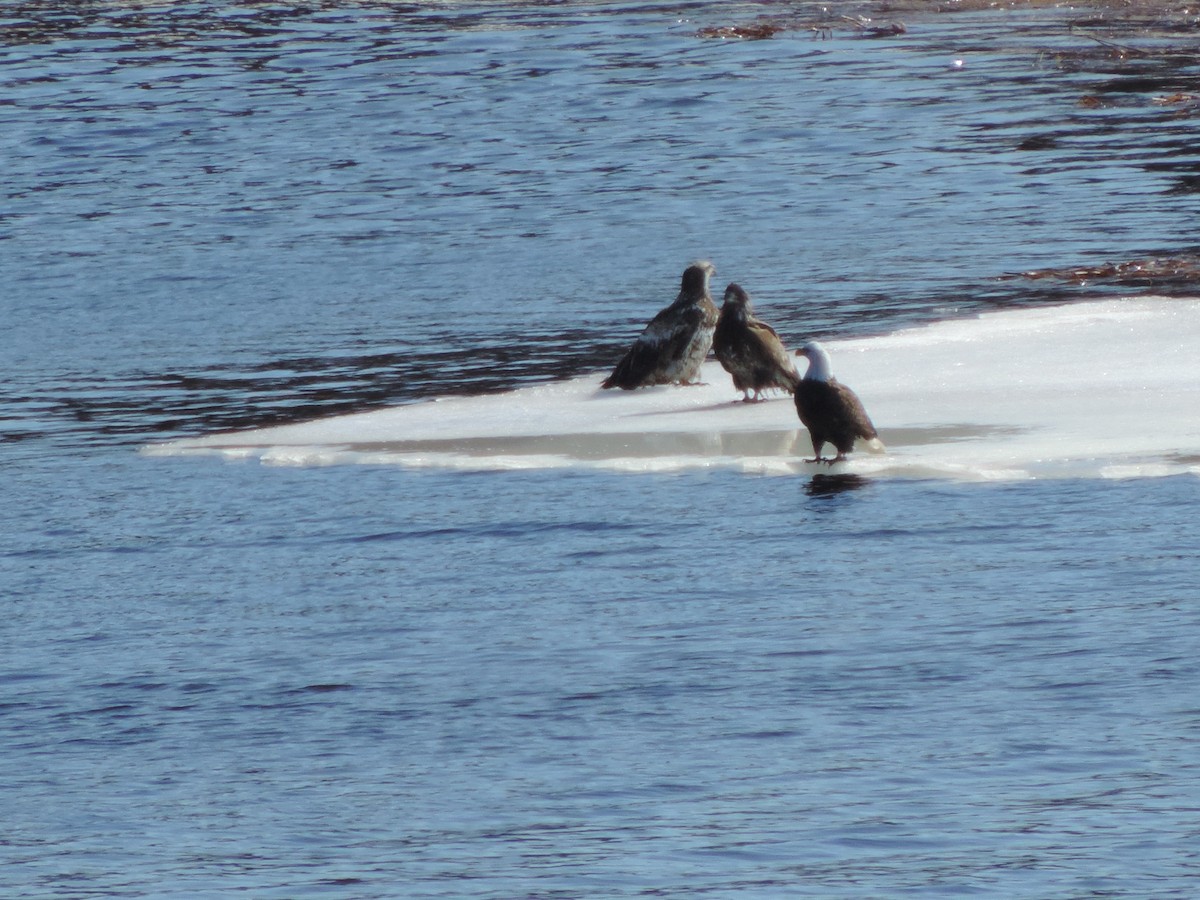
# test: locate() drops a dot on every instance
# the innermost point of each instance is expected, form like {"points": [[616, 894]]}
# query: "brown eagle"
{"points": [[750, 350], [676, 341]]}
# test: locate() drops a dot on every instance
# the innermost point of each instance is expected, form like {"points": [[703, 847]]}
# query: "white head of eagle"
{"points": [[819, 367]]}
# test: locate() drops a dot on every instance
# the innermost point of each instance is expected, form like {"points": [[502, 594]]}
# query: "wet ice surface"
{"points": [[1089, 389], [221, 217]]}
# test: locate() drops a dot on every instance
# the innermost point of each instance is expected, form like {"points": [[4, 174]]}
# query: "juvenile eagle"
{"points": [[676, 341], [750, 350]]}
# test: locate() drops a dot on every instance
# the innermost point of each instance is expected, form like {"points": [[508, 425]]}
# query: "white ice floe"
{"points": [[1098, 389]]}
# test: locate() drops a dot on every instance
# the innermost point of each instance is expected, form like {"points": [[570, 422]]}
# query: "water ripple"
{"points": [[221, 215]]}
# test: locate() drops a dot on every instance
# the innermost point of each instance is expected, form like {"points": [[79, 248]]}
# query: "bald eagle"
{"points": [[829, 410], [676, 341], [750, 349]]}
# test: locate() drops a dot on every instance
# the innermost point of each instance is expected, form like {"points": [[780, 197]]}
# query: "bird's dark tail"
{"points": [[635, 367], [621, 377]]}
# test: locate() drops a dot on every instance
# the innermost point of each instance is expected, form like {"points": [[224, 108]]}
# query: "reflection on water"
{"points": [[230, 397], [591, 446], [220, 215], [834, 485]]}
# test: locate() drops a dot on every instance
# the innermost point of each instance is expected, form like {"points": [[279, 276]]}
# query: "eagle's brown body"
{"points": [[830, 411], [675, 343], [750, 350]]}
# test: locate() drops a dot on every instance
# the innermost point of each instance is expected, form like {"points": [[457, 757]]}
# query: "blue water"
{"points": [[362, 681], [380, 683]]}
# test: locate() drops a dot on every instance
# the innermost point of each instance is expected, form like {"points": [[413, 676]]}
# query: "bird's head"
{"points": [[818, 361], [734, 294], [695, 277]]}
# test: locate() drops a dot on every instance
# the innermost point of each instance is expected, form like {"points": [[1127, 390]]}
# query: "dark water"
{"points": [[373, 682]]}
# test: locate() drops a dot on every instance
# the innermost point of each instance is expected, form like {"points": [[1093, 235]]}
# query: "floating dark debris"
{"points": [[1180, 104], [766, 28], [755, 32], [867, 29], [1137, 271]]}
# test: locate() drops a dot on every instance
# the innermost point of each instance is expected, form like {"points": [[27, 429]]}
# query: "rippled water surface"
{"points": [[229, 214], [373, 682], [391, 684]]}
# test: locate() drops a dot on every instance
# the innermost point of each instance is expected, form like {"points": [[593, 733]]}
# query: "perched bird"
{"points": [[829, 410], [750, 350], [676, 341]]}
